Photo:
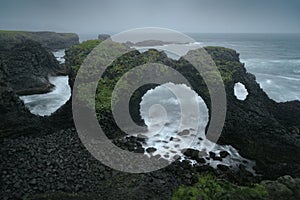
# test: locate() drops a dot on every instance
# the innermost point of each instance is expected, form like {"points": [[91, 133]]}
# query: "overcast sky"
{"points": [[111, 16]]}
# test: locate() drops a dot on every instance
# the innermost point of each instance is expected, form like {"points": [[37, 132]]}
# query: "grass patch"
{"points": [[211, 188]]}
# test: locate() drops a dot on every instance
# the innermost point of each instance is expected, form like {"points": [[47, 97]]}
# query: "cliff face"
{"points": [[260, 128], [24, 70], [15, 119], [9, 101], [75, 55], [257, 126], [28, 67], [49, 40]]}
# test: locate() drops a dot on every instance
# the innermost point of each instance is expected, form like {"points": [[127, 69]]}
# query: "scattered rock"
{"points": [[222, 167], [183, 133], [151, 150], [224, 154]]}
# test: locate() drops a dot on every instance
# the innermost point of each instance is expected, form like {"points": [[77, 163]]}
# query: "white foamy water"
{"points": [[240, 91], [171, 129], [59, 55], [46, 104]]}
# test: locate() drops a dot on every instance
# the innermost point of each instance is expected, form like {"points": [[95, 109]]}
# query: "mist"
{"points": [[111, 16]]}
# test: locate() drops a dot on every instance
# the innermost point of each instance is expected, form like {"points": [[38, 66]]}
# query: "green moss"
{"points": [[222, 54], [114, 72], [211, 188], [77, 53], [88, 45], [226, 59]]}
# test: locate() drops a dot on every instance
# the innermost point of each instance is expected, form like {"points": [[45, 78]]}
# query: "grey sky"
{"points": [[96, 16]]}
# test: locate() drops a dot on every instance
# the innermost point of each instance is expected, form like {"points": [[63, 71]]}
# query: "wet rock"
{"points": [[184, 133], [191, 153], [212, 154], [224, 154], [151, 150], [217, 158], [201, 160], [222, 167]]}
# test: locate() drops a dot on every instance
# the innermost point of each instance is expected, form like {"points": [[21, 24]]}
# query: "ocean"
{"points": [[273, 58]]}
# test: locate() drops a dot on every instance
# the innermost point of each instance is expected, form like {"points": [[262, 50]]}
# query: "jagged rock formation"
{"points": [[28, 67], [103, 36], [252, 126], [257, 127], [15, 119], [50, 40]]}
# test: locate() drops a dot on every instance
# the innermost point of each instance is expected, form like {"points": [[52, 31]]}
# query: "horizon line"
{"points": [[113, 32]]}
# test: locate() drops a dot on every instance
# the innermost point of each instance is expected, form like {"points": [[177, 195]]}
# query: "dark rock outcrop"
{"points": [[257, 127], [28, 67], [103, 37], [25, 70], [15, 119]]}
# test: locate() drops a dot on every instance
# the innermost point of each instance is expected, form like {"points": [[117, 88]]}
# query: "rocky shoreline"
{"points": [[57, 164], [28, 67], [48, 160]]}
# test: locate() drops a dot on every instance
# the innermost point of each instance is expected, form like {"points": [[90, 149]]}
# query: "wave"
{"points": [[173, 127], [296, 71], [260, 60], [46, 104], [280, 76]]}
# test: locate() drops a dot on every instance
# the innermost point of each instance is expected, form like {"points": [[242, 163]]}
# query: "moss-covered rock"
{"points": [[252, 126]]}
